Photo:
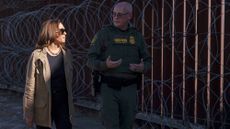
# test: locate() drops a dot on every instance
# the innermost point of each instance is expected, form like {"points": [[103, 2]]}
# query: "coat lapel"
{"points": [[47, 71], [66, 65]]}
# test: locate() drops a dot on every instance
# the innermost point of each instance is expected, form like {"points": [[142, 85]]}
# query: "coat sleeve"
{"points": [[70, 82], [28, 98]]}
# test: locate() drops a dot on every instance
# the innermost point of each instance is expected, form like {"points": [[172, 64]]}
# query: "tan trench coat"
{"points": [[37, 95]]}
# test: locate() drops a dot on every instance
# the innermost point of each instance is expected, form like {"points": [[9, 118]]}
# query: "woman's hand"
{"points": [[29, 121]]}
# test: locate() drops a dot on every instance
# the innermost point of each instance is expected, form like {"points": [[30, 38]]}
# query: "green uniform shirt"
{"points": [[128, 45]]}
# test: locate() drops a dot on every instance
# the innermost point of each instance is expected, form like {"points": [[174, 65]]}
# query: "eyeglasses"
{"points": [[114, 14], [62, 31]]}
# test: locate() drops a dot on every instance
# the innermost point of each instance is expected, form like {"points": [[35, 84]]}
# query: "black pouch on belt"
{"points": [[97, 81]]}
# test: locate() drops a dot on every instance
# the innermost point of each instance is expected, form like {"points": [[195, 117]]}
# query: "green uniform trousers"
{"points": [[119, 106]]}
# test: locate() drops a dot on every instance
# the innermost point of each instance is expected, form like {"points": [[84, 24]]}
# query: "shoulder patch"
{"points": [[132, 40], [94, 40]]}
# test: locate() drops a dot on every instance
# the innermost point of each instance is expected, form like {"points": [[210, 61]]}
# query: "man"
{"points": [[118, 52]]}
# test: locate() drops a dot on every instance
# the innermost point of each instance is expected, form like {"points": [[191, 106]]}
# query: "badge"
{"points": [[131, 40]]}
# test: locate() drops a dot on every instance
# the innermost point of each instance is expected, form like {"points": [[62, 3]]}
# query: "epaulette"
{"points": [[133, 28], [105, 27]]}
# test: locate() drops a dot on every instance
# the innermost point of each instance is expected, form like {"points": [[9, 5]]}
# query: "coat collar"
{"points": [[45, 49]]}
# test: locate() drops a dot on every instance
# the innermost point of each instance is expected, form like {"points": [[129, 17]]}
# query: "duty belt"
{"points": [[117, 82]]}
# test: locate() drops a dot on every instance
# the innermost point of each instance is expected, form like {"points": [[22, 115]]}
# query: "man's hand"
{"points": [[112, 64], [137, 67]]}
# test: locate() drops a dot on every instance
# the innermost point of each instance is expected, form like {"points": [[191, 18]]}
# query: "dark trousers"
{"points": [[119, 106], [59, 112]]}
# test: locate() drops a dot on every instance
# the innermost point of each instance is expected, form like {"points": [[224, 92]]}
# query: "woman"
{"points": [[48, 92]]}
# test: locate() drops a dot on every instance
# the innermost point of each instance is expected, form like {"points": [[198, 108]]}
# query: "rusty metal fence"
{"points": [[188, 84]]}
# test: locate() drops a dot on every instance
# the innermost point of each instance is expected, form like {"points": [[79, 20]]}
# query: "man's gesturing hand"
{"points": [[137, 67], [112, 64]]}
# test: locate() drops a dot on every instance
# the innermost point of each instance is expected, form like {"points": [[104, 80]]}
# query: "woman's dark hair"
{"points": [[48, 32]]}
